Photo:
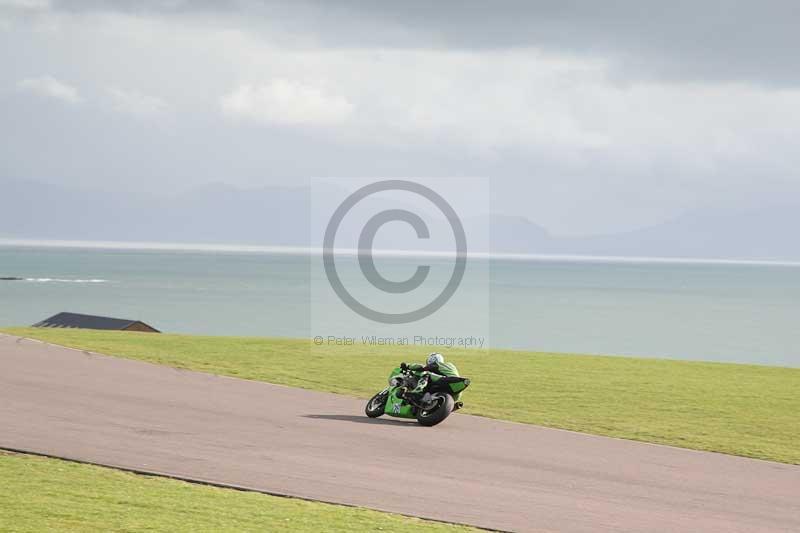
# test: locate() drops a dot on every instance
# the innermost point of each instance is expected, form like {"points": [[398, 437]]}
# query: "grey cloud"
{"points": [[176, 6], [664, 162], [751, 41]]}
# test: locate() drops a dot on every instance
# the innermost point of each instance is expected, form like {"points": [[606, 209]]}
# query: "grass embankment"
{"points": [[737, 409], [39, 494]]}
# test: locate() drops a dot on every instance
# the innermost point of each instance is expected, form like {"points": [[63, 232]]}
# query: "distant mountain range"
{"points": [[285, 216]]}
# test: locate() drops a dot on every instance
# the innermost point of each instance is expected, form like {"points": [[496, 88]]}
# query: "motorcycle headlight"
{"points": [[395, 381]]}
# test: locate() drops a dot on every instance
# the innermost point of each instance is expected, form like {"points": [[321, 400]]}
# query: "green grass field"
{"points": [[39, 494], [737, 409]]}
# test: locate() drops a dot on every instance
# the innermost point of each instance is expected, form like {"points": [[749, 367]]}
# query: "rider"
{"points": [[436, 365]]}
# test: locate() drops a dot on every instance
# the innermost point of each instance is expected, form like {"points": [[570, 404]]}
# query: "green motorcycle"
{"points": [[417, 394]]}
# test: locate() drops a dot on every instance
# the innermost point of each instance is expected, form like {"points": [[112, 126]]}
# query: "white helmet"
{"points": [[435, 358]]}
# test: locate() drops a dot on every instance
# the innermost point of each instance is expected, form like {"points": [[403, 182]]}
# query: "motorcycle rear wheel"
{"points": [[444, 406]]}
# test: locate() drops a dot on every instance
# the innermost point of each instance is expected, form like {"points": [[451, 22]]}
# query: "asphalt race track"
{"points": [[281, 440]]}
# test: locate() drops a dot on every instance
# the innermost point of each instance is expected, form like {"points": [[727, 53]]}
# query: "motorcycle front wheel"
{"points": [[376, 405], [434, 415]]}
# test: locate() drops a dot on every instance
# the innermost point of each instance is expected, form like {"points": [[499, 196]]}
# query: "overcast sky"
{"points": [[586, 116]]}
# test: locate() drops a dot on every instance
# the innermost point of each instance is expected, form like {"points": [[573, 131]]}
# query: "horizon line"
{"points": [[318, 250]]}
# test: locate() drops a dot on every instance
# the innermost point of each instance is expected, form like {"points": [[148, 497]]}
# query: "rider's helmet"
{"points": [[435, 358]]}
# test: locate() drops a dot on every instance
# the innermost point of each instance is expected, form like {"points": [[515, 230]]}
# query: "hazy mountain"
{"points": [[218, 213], [765, 233], [210, 214]]}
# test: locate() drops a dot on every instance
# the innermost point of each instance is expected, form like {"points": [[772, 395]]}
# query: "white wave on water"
{"points": [[62, 280]]}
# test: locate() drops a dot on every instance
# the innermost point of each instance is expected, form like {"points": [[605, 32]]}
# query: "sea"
{"points": [[727, 311]]}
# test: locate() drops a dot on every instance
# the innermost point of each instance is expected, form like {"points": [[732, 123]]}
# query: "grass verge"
{"points": [[743, 410], [41, 494]]}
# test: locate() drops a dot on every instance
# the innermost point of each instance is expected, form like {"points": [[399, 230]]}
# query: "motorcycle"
{"points": [[417, 394]]}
